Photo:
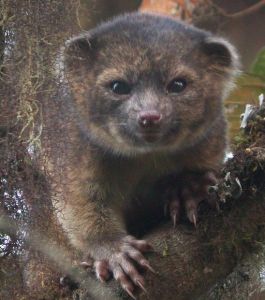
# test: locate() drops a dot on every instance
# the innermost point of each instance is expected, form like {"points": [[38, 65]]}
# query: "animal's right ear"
{"points": [[79, 51]]}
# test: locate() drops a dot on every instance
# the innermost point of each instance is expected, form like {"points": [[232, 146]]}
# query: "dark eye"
{"points": [[120, 87], [176, 86]]}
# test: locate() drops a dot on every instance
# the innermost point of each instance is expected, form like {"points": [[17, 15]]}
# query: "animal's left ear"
{"points": [[221, 53]]}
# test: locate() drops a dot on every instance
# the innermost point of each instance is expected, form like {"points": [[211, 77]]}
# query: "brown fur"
{"points": [[104, 168]]}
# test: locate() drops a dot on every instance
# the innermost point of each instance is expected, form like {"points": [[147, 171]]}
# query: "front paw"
{"points": [[122, 259], [195, 189], [190, 190]]}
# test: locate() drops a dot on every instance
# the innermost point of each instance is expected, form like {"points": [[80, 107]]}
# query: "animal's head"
{"points": [[145, 83]]}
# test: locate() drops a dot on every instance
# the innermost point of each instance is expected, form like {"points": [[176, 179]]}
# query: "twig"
{"points": [[240, 14]]}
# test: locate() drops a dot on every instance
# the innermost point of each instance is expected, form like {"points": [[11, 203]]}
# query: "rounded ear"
{"points": [[79, 50], [221, 53]]}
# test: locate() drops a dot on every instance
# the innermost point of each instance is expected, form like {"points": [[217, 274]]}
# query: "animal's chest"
{"points": [[138, 180]]}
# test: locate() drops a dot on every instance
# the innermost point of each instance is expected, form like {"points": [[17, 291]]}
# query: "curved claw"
{"points": [[194, 220], [130, 293], [149, 268], [141, 286], [102, 270], [86, 264]]}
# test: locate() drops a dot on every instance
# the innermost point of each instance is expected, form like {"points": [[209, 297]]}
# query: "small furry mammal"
{"points": [[147, 96]]}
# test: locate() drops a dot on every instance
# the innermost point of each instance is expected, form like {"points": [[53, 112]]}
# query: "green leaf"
{"points": [[258, 67]]}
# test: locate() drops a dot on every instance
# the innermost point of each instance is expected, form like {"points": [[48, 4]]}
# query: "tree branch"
{"points": [[252, 9]]}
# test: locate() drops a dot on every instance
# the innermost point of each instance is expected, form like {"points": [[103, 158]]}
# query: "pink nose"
{"points": [[149, 118]]}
